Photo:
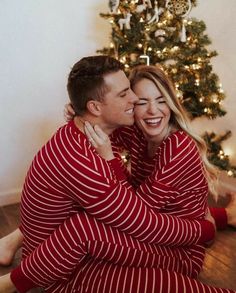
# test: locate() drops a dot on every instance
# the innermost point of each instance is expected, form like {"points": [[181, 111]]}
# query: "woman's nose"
{"points": [[152, 107]]}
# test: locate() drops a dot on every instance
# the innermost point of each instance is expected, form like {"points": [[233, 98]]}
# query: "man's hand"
{"points": [[99, 140]]}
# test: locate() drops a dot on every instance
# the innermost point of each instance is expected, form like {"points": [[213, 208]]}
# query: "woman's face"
{"points": [[152, 114]]}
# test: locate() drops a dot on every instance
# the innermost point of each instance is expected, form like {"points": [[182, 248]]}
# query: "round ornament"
{"points": [[179, 7]]}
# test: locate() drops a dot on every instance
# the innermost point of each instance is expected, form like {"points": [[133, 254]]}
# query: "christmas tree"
{"points": [[161, 32]]}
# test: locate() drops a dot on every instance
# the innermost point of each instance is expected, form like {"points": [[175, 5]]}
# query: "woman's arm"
{"points": [[140, 221]]}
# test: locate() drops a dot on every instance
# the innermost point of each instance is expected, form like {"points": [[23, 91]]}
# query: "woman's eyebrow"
{"points": [[159, 97], [143, 99]]}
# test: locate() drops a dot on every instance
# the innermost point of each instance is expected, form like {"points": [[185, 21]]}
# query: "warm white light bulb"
{"points": [[230, 173]]}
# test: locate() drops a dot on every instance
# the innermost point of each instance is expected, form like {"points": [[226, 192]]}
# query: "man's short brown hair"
{"points": [[86, 80]]}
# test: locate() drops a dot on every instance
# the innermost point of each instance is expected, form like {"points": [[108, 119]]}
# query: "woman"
{"points": [[169, 167], [167, 127], [151, 128]]}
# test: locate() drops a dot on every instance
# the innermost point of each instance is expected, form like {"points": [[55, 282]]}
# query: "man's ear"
{"points": [[94, 107]]}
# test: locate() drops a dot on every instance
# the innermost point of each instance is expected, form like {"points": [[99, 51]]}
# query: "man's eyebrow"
{"points": [[124, 90]]}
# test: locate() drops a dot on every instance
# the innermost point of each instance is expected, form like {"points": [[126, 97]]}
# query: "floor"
{"points": [[219, 267], [9, 219]]}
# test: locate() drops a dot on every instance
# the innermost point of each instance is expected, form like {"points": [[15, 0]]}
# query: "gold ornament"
{"points": [[179, 7]]}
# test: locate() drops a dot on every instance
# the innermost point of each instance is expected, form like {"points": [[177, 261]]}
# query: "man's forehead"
{"points": [[117, 80]]}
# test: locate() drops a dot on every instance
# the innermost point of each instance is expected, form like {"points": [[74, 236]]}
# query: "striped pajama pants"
{"points": [[85, 255]]}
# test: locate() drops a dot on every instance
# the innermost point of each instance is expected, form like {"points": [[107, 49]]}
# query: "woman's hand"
{"points": [[99, 140], [69, 112]]}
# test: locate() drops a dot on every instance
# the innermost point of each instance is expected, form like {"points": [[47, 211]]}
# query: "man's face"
{"points": [[118, 104]]}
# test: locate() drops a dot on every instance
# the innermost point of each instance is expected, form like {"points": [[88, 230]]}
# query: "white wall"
{"points": [[41, 39]]}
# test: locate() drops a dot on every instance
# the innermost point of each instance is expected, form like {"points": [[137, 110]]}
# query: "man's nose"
{"points": [[134, 98]]}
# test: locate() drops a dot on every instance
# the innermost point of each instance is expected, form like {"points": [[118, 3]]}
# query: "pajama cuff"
{"points": [[21, 282], [220, 217], [119, 169], [208, 232]]}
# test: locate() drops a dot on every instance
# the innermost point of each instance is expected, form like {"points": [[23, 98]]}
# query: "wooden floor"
{"points": [[220, 263]]}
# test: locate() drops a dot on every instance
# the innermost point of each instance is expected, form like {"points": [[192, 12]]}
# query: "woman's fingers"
{"points": [[69, 112], [91, 131], [100, 133], [99, 140], [90, 137], [95, 134]]}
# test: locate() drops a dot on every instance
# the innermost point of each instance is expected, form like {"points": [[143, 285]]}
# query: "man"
{"points": [[70, 196]]}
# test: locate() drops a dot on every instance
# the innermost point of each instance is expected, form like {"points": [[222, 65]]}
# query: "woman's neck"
{"points": [[154, 142]]}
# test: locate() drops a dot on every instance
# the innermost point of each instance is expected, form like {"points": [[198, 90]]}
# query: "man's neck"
{"points": [[79, 123]]}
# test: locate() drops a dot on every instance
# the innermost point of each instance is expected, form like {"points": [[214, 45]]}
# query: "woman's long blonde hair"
{"points": [[179, 117]]}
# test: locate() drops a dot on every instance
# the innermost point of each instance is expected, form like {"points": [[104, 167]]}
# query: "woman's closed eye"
{"points": [[159, 100], [141, 102]]}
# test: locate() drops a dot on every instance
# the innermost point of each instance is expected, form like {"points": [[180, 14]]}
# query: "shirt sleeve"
{"points": [[120, 170]]}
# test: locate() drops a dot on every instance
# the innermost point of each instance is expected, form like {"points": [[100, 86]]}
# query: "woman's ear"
{"points": [[94, 107]]}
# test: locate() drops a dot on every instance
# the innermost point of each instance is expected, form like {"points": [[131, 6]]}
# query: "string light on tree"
{"points": [[197, 82], [220, 88], [123, 59], [221, 154], [230, 173]]}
